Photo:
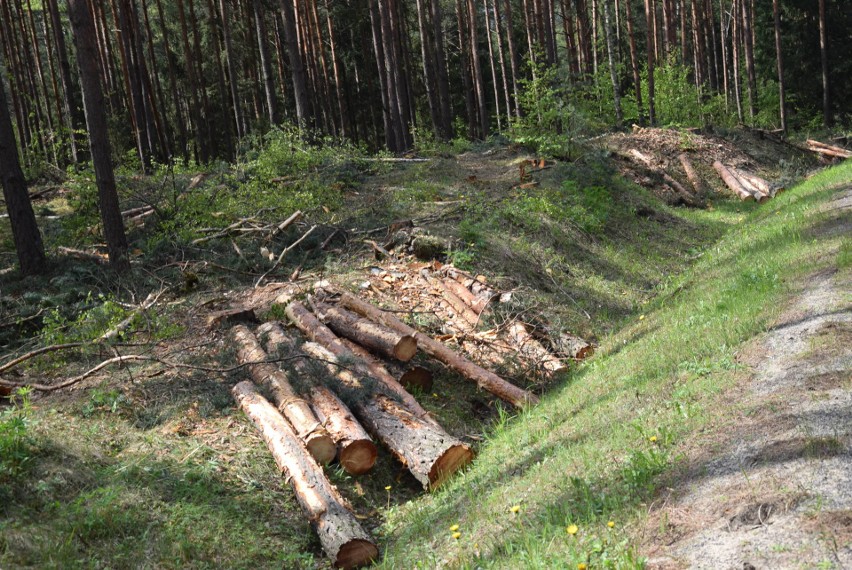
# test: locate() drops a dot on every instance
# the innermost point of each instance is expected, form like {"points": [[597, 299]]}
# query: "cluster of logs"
{"points": [[828, 150], [747, 186], [345, 388]]}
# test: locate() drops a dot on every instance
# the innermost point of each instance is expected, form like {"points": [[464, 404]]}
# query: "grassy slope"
{"points": [[162, 472], [597, 447]]}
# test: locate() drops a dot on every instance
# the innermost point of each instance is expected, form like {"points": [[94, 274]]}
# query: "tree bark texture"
{"points": [[484, 379], [291, 404], [96, 121], [341, 536]]}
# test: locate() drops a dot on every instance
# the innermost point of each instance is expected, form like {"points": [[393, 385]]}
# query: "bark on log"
{"points": [[691, 175], [834, 150], [829, 152], [308, 427], [356, 452], [406, 376], [573, 346], [532, 350], [476, 304], [318, 332], [484, 379], [732, 182], [758, 182], [367, 333], [426, 450], [758, 194], [341, 536]]}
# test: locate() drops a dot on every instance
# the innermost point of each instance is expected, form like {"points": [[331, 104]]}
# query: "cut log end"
{"points": [[356, 554], [418, 377], [453, 459], [405, 349], [358, 457], [321, 447]]}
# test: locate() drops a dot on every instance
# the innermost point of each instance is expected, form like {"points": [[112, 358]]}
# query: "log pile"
{"points": [[340, 382], [828, 151], [746, 185]]}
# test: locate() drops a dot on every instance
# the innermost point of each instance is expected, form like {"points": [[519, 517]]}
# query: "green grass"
{"points": [[585, 456], [159, 470]]}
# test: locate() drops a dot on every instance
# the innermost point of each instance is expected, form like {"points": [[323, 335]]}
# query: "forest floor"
{"points": [[152, 466]]}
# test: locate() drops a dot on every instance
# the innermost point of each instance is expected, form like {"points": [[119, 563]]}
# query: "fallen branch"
{"points": [[281, 256], [84, 255]]}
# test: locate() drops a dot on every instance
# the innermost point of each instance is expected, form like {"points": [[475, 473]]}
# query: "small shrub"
{"points": [[15, 439]]}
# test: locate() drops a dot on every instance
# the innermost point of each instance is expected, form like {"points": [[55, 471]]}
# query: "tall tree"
{"points": [[96, 122], [25, 232], [651, 43], [613, 72], [828, 119], [776, 17]]}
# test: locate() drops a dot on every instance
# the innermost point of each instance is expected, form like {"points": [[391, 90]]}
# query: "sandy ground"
{"points": [[777, 493]]}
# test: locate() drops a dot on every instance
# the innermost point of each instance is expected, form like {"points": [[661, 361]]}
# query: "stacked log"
{"points": [[409, 376], [427, 451], [733, 182], [317, 332], [367, 333], [341, 536], [356, 452], [684, 194], [828, 150], [291, 405], [533, 351], [484, 379]]}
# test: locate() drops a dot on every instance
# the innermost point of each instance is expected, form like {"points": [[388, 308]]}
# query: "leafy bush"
{"points": [[15, 439], [549, 123]]}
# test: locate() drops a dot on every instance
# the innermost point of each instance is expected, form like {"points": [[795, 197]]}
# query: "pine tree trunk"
{"points": [[651, 47], [297, 66], [96, 121], [25, 233], [478, 82], [749, 55], [776, 14], [513, 53], [828, 119], [634, 60], [613, 72], [73, 109], [441, 68], [233, 82]]}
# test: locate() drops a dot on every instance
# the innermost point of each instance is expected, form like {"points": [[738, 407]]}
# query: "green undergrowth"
{"points": [[600, 445]]}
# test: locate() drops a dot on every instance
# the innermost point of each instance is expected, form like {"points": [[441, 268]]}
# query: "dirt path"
{"points": [[777, 492]]}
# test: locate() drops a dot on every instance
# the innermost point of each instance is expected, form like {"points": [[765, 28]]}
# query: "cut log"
{"points": [[318, 332], [468, 318], [426, 450], [484, 379], [356, 452], [532, 350], [732, 182], [341, 536], [757, 182], [308, 427], [95, 257], [573, 346], [367, 333], [758, 194], [408, 377], [476, 304], [828, 149], [231, 316], [684, 194], [691, 175]]}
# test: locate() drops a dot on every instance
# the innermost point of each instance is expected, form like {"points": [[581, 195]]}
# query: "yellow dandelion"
{"points": [[581, 566], [641, 317], [611, 524], [515, 508], [653, 439], [388, 488], [454, 528], [572, 529], [457, 535]]}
